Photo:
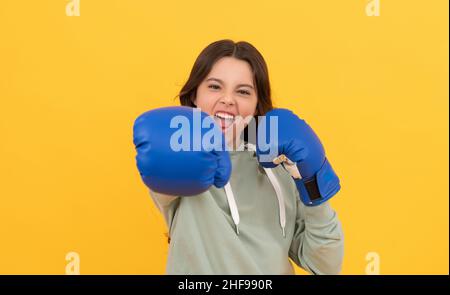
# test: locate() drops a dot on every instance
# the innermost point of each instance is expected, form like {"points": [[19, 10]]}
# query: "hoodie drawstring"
{"points": [[232, 205], [276, 185], [281, 207]]}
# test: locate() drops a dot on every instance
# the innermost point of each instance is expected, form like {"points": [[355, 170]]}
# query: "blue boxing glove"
{"points": [[174, 156], [285, 138]]}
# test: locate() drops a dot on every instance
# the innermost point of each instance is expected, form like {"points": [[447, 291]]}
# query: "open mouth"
{"points": [[224, 119]]}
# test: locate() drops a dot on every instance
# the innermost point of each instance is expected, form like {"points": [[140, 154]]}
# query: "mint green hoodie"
{"points": [[252, 226]]}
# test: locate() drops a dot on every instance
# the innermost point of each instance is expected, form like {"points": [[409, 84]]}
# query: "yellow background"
{"points": [[375, 89]]}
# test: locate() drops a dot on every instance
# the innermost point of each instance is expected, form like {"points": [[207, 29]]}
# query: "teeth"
{"points": [[224, 116]]}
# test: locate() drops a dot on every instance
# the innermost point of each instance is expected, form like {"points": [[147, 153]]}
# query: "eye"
{"points": [[214, 86], [244, 92]]}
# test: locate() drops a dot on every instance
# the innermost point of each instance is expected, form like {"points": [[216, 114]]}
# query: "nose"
{"points": [[227, 100]]}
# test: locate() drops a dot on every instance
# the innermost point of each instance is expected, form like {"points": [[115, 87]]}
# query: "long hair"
{"points": [[227, 48]]}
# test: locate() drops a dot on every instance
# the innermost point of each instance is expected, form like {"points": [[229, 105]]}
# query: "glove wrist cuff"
{"points": [[319, 188]]}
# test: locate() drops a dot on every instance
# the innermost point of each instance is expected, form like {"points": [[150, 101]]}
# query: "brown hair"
{"points": [[227, 48]]}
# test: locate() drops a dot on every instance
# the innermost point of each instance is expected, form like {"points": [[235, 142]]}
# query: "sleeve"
{"points": [[318, 242], [167, 205]]}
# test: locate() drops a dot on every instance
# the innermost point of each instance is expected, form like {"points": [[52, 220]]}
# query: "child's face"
{"points": [[227, 92]]}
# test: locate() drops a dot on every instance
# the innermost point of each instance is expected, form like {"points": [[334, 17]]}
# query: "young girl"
{"points": [[228, 212]]}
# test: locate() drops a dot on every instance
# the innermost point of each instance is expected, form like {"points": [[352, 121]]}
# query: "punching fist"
{"points": [[174, 155]]}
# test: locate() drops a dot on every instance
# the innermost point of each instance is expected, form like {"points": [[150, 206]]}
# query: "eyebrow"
{"points": [[221, 82]]}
